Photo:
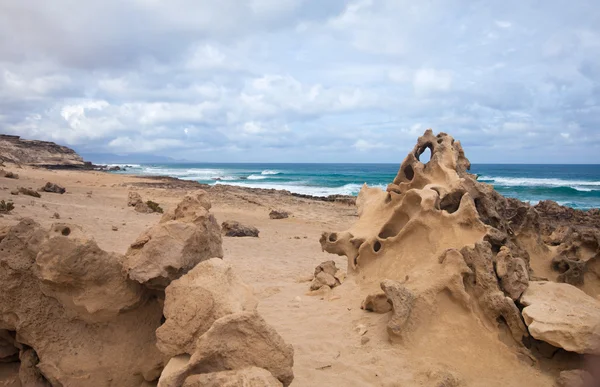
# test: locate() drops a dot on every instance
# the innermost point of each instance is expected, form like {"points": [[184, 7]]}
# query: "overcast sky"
{"points": [[304, 81]]}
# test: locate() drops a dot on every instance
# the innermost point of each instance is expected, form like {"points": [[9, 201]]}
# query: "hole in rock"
{"points": [[377, 246], [409, 172], [424, 156], [66, 231], [440, 140], [451, 202], [332, 237], [394, 226]]}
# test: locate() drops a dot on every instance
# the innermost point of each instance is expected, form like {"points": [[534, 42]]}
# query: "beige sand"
{"points": [[328, 348]]}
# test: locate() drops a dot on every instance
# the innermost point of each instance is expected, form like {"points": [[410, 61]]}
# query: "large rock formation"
{"points": [[73, 315], [437, 232], [16, 150]]}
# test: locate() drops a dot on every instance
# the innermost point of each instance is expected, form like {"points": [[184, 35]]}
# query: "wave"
{"points": [[270, 172], [256, 177], [579, 185], [299, 188]]}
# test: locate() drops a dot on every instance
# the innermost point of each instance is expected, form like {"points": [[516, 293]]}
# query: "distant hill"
{"points": [[33, 152]]}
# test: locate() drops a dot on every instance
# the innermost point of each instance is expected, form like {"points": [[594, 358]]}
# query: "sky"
{"points": [[302, 80]]}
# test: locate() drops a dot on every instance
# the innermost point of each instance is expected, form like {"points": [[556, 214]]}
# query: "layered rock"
{"points": [[16, 150]]}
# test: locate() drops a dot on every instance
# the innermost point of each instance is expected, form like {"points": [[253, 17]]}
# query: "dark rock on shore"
{"points": [[231, 228]]}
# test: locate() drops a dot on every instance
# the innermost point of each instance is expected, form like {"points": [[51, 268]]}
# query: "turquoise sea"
{"points": [[576, 186]]}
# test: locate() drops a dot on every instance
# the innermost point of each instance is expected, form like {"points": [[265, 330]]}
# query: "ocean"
{"points": [[577, 186]]}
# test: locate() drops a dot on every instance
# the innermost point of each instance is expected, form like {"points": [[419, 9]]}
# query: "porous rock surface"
{"points": [[71, 314], [437, 232]]}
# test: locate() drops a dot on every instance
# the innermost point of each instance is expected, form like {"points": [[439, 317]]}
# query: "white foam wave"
{"points": [[123, 165], [185, 174], [257, 177], [270, 172], [297, 187], [580, 185]]}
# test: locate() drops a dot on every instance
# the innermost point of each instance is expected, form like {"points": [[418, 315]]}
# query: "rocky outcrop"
{"points": [[134, 199], [184, 237], [231, 228], [73, 316], [436, 236], [13, 149], [54, 188], [562, 315], [278, 214]]}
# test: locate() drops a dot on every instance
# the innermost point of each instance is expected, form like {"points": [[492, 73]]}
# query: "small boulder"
{"points": [[29, 192], [133, 199], [513, 273], [562, 315], [143, 208], [277, 214], [53, 188], [327, 274], [231, 228]]}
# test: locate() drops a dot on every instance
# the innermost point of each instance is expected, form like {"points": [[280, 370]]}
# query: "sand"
{"points": [[329, 348]]}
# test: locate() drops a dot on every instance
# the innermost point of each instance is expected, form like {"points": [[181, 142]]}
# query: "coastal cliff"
{"points": [[14, 149]]}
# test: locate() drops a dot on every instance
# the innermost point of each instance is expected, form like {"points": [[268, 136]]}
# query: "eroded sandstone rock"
{"points": [[236, 341], [184, 237], [209, 291], [327, 274], [251, 377], [562, 315], [133, 199], [278, 214]]}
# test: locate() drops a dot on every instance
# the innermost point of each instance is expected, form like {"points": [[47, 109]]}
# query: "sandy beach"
{"points": [[335, 342]]}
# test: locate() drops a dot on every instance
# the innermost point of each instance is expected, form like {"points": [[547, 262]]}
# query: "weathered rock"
{"points": [[236, 341], [513, 273], [29, 192], [8, 174], [402, 301], [246, 377], [133, 199], [143, 208], [278, 214], [29, 374], [185, 236], [327, 274], [575, 378], [562, 315], [71, 350], [87, 280], [54, 188], [195, 301], [377, 303], [231, 228]]}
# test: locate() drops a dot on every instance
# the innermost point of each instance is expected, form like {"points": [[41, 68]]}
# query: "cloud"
{"points": [[266, 80]]}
